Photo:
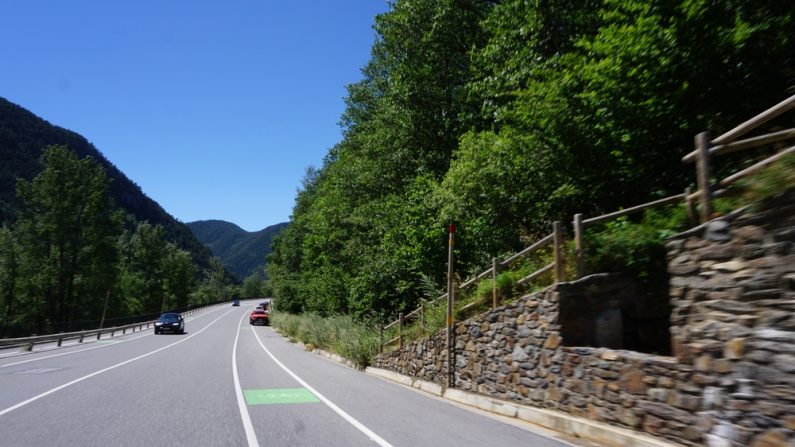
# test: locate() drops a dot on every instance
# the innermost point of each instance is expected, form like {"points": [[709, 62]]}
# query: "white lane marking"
{"points": [[105, 345], [96, 373], [378, 440], [251, 435], [37, 371]]}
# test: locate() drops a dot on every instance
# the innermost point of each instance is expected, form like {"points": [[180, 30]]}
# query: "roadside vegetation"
{"points": [[502, 117], [352, 339]]}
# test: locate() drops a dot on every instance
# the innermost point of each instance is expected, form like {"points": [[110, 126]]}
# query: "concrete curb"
{"points": [[597, 432]]}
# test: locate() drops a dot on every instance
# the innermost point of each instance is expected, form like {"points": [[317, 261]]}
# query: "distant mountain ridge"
{"points": [[23, 136], [241, 252]]}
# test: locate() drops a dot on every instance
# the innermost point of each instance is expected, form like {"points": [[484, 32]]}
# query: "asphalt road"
{"points": [[225, 383]]}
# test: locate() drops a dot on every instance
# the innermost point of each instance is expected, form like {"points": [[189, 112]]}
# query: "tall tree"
{"points": [[145, 261], [180, 274], [67, 232], [9, 272]]}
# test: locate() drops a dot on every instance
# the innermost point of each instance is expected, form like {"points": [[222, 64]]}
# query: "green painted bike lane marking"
{"points": [[279, 396]]}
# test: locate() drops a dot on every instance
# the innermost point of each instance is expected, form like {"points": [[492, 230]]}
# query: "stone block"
{"points": [[723, 366], [730, 266], [750, 233], [652, 424], [658, 394], [734, 349], [632, 382], [716, 252], [784, 362], [553, 341], [703, 363], [771, 438]]}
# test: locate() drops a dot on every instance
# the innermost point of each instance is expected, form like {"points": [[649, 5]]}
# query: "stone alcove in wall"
{"points": [[610, 310]]}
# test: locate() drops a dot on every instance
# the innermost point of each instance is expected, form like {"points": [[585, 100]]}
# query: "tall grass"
{"points": [[354, 340]]}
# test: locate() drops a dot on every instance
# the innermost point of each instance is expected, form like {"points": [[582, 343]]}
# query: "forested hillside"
{"points": [[23, 137], [80, 243], [242, 253], [504, 116]]}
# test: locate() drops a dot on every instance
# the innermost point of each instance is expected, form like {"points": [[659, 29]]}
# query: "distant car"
{"points": [[235, 302], [259, 317], [170, 322], [264, 305]]}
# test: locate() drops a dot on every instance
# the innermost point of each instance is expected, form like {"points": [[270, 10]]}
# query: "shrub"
{"points": [[635, 248], [777, 177]]}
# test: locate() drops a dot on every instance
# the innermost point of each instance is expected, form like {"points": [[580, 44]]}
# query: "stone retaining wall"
{"points": [[731, 382]]}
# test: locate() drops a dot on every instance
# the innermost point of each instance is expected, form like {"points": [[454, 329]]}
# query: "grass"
{"points": [[356, 341]]}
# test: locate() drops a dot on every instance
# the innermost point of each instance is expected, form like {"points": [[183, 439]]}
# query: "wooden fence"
{"points": [[707, 190]]}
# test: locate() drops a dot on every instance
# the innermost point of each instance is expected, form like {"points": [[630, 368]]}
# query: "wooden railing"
{"points": [[705, 149]]}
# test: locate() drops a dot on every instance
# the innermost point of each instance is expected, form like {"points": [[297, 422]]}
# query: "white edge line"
{"points": [[379, 440], [95, 373], [251, 435]]}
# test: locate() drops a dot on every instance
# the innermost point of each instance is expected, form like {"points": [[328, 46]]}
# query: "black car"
{"points": [[170, 322]]}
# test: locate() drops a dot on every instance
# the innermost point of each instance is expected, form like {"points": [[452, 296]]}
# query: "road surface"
{"points": [[225, 383]]}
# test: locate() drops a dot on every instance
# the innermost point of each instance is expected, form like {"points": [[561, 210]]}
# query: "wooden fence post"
{"points": [[580, 248], [556, 236], [450, 338], [494, 298], [702, 165], [400, 330], [422, 317], [450, 297], [381, 339]]}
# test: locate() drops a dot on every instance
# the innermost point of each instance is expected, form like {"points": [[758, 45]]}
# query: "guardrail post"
{"points": [[556, 237], [60, 341], [580, 246], [702, 165], [400, 330]]}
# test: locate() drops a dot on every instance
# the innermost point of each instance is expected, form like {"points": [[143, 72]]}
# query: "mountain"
{"points": [[24, 135], [241, 252]]}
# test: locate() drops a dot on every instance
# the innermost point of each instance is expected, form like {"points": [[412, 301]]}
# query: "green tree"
{"points": [[253, 286], [9, 272], [145, 260], [179, 277], [67, 232]]}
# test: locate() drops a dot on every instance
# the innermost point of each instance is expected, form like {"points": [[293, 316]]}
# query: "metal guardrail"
{"points": [[27, 343]]}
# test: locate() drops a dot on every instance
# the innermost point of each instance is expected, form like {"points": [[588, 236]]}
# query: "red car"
{"points": [[259, 317]]}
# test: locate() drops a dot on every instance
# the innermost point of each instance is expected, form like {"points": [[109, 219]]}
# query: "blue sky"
{"points": [[215, 108]]}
